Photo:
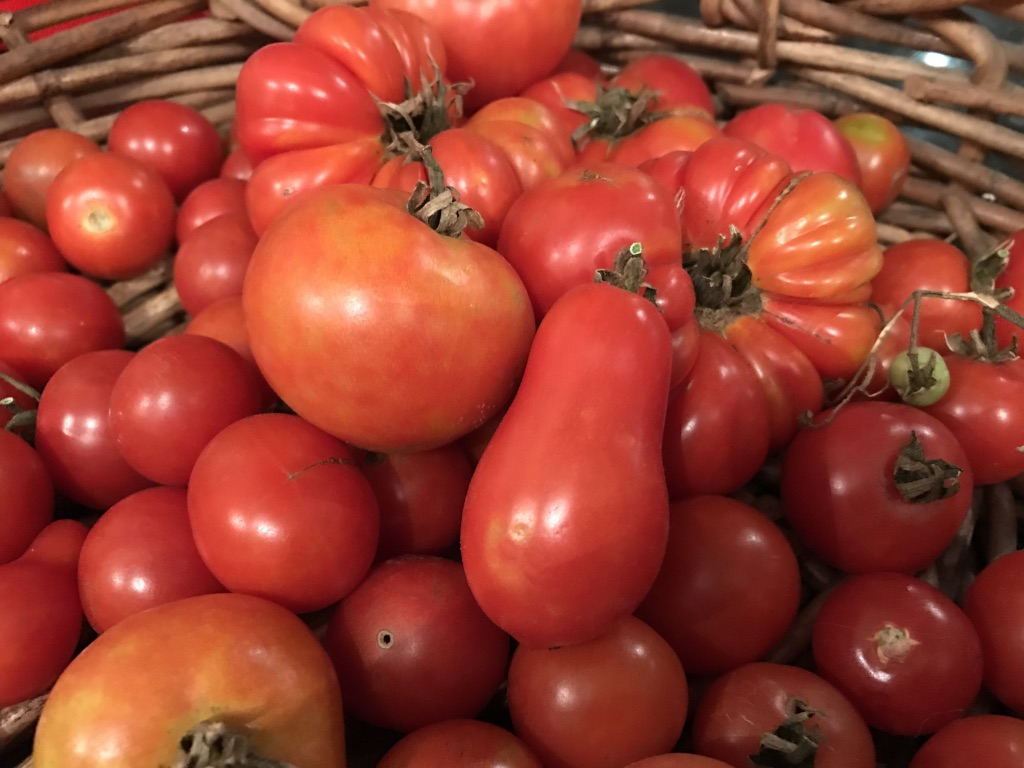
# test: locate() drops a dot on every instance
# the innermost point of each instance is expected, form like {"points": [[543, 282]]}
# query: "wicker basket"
{"points": [[837, 57]]}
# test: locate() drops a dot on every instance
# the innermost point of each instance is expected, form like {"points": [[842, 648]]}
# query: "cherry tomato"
{"points": [[211, 262], [883, 156], [210, 199], [995, 741], [460, 743], [678, 760], [25, 249], [28, 495], [236, 166]]}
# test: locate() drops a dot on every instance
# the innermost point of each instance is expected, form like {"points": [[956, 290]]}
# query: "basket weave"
{"points": [[836, 57]]}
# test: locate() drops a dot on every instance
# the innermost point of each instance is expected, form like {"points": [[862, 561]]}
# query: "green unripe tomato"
{"points": [[921, 378]]}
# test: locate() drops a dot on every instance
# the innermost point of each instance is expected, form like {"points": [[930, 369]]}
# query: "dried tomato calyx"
{"points": [[893, 643], [421, 116], [722, 282], [614, 114], [920, 479], [212, 744], [437, 204], [628, 272], [793, 744]]}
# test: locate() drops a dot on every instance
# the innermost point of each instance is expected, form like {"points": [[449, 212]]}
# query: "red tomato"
{"points": [[172, 398], [420, 496], [557, 91], [674, 133], [211, 262], [236, 166], [995, 741], [73, 434], [729, 586], [742, 705], [535, 155], [48, 318], [933, 265], [412, 626], [35, 162], [1011, 277], [902, 652], [984, 408], [856, 488], [6, 209], [538, 544], [599, 704], [25, 249], [241, 660], [677, 87], [280, 510], [541, 33], [41, 610], [460, 743], [207, 201], [140, 554], [675, 298], [28, 495], [111, 217], [173, 139], [995, 605], [808, 140], [410, 349], [581, 63], [883, 156], [558, 233], [678, 760]]}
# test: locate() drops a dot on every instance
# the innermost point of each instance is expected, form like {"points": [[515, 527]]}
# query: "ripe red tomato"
{"points": [[995, 741], [207, 201], [995, 605], [676, 86], [558, 90], [883, 156], [460, 743], [111, 217], [49, 318], [41, 610], [173, 139], [412, 626], [35, 162], [140, 554], [599, 704], [28, 495], [25, 249], [211, 262], [673, 133], [410, 349], [678, 760], [279, 509], [742, 705], [902, 652], [73, 434], [228, 658], [236, 166], [535, 154], [729, 586], [852, 487], [1011, 277], [172, 398]]}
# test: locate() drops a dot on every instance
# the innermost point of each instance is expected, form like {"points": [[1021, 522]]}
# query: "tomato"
{"points": [[173, 139], [5, 204], [73, 434], [25, 249], [409, 349], [728, 588], [995, 741], [41, 610], [460, 743], [581, 63], [713, 444], [538, 544], [227, 658], [678, 760], [675, 298], [1012, 276], [883, 156], [172, 398], [675, 85], [48, 318], [140, 554], [558, 91], [601, 704], [876, 487], [534, 153], [983, 408], [560, 231], [279, 509], [35, 162], [932, 265], [540, 33], [742, 705], [210, 199], [420, 496], [674, 133], [902, 652], [28, 495], [808, 140], [236, 166], [995, 605], [412, 626], [111, 217], [211, 262]]}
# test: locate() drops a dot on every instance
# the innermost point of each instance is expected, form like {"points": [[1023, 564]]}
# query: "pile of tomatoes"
{"points": [[486, 363]]}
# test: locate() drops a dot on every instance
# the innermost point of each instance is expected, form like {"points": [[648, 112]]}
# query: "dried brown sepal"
{"points": [[793, 744], [614, 114], [920, 479], [423, 115], [628, 272], [213, 744], [437, 204], [981, 344]]}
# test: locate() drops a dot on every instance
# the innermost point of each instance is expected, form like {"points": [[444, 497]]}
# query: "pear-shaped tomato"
{"points": [[566, 519]]}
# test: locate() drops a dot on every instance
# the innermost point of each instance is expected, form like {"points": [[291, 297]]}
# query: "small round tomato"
{"points": [[460, 743], [674, 84], [25, 248], [882, 156], [27, 493], [209, 200], [173, 139], [995, 741], [902, 652], [236, 166], [413, 626], [678, 760], [49, 318], [211, 262], [35, 162], [139, 554], [111, 217]]}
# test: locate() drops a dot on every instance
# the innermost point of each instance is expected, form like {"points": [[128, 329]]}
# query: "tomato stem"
{"points": [[628, 272], [614, 114], [422, 116], [793, 744], [20, 386], [435, 203], [213, 744], [322, 462], [919, 479]]}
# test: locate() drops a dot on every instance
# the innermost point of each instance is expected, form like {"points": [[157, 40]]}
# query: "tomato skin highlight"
{"points": [[537, 544]]}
